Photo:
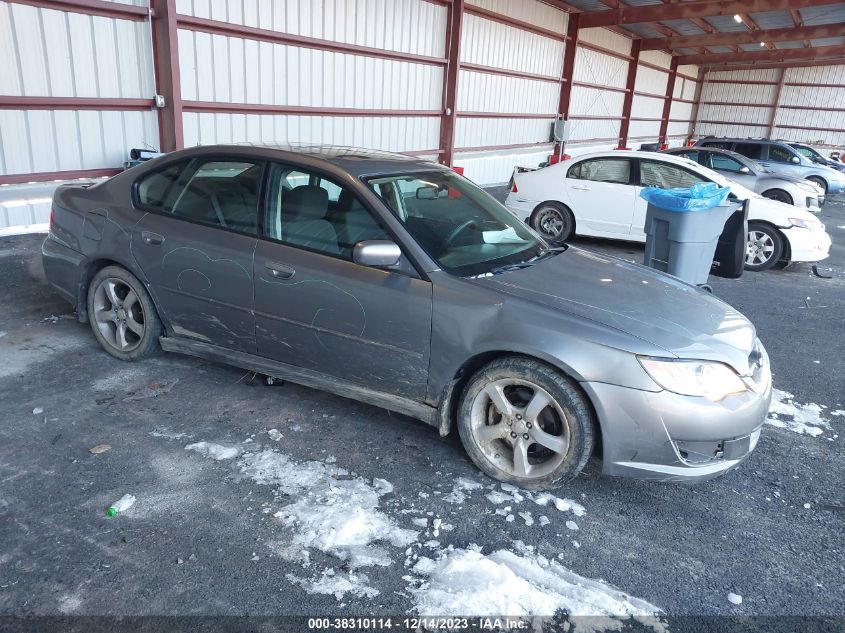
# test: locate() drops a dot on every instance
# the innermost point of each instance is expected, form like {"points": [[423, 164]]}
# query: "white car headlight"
{"points": [[707, 379], [804, 224]]}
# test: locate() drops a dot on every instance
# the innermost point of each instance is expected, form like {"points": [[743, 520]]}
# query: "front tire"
{"points": [[763, 248], [122, 315], [818, 181], [524, 423], [778, 194], [553, 221]]}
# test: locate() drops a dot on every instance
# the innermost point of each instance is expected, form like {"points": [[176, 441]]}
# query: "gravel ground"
{"points": [[202, 538]]}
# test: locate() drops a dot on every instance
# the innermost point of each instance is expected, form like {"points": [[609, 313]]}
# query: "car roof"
{"points": [[671, 158], [713, 150], [356, 161], [735, 139]]}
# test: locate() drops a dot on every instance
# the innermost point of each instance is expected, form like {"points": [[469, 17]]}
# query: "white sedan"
{"points": [[598, 195]]}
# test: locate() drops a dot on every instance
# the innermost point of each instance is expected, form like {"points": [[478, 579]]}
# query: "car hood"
{"points": [[777, 212], [653, 307]]}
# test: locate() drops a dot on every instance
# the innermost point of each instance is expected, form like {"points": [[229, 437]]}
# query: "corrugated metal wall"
{"points": [[49, 53], [742, 103]]}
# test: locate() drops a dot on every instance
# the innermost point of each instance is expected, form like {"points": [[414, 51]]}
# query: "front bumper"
{"points": [[669, 437], [807, 245], [835, 186]]}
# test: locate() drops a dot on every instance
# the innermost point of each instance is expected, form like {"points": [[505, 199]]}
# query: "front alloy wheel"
{"points": [[523, 422], [763, 249]]}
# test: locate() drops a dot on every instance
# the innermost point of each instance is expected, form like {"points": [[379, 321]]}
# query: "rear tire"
{"points": [[778, 194], [818, 181], [524, 423], [763, 248], [122, 315], [553, 221]]}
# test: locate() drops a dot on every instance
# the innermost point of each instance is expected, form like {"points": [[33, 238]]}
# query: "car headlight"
{"points": [[804, 224], [703, 378]]}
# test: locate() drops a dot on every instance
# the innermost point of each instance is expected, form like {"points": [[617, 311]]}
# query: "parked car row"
{"points": [[598, 195]]}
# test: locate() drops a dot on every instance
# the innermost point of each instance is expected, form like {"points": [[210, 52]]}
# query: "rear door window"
{"points": [[614, 170], [723, 163], [752, 150], [718, 144], [666, 176], [158, 191]]}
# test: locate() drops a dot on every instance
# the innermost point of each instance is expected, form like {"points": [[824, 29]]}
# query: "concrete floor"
{"points": [[199, 542]]}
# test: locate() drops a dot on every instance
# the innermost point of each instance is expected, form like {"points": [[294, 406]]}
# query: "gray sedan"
{"points": [[397, 282], [752, 175]]}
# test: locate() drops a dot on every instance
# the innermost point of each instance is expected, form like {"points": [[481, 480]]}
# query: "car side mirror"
{"points": [[796, 160], [744, 170], [377, 253]]}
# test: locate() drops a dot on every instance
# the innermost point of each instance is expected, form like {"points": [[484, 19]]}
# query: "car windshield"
{"points": [[808, 152], [460, 226]]}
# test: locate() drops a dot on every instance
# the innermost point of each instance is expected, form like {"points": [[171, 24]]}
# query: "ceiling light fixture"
{"points": [[737, 18]]}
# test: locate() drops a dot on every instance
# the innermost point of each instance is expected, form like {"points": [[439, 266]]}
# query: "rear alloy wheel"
{"points": [[524, 423], [778, 194], [764, 247], [553, 222], [818, 181], [122, 315]]}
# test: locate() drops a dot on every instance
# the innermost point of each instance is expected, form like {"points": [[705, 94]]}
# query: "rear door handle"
{"points": [[282, 271], [152, 238]]}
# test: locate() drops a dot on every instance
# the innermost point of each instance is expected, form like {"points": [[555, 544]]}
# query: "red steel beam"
{"points": [[504, 115], [261, 108], [490, 70], [629, 96], [764, 65], [784, 55], [667, 101], [448, 118], [45, 176], [572, 37], [73, 103], [103, 8], [218, 27], [167, 77], [793, 34], [776, 103], [692, 9]]}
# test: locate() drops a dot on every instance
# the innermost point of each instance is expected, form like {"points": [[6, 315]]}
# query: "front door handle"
{"points": [[152, 238], [580, 188], [282, 271]]}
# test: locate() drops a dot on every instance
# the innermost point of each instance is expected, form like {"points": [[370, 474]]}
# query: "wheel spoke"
{"points": [[104, 316], [539, 401], [490, 432], [520, 458], [134, 326], [130, 300], [555, 443], [500, 401], [120, 336], [111, 292]]}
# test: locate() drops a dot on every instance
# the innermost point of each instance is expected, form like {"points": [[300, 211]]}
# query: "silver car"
{"points": [[397, 282], [752, 175], [782, 159]]}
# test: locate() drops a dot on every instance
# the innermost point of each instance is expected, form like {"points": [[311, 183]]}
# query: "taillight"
{"points": [[52, 217], [513, 186]]}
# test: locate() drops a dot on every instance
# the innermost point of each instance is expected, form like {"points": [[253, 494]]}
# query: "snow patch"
{"points": [[338, 585], [459, 490], [168, 435], [275, 434], [332, 512], [787, 414], [214, 451], [465, 581]]}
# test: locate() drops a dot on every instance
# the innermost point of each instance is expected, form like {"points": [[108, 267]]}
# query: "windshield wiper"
{"points": [[529, 262]]}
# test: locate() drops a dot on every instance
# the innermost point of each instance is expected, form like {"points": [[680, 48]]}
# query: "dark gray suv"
{"points": [[781, 158]]}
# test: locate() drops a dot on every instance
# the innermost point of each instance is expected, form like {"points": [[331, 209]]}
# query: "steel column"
{"points": [[454, 23], [667, 102], [629, 95], [776, 103], [168, 84], [570, 47]]}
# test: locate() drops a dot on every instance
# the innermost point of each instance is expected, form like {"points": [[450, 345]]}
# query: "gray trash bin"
{"points": [[682, 243]]}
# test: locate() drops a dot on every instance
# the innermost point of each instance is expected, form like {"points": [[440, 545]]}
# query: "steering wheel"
{"points": [[454, 233]]}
